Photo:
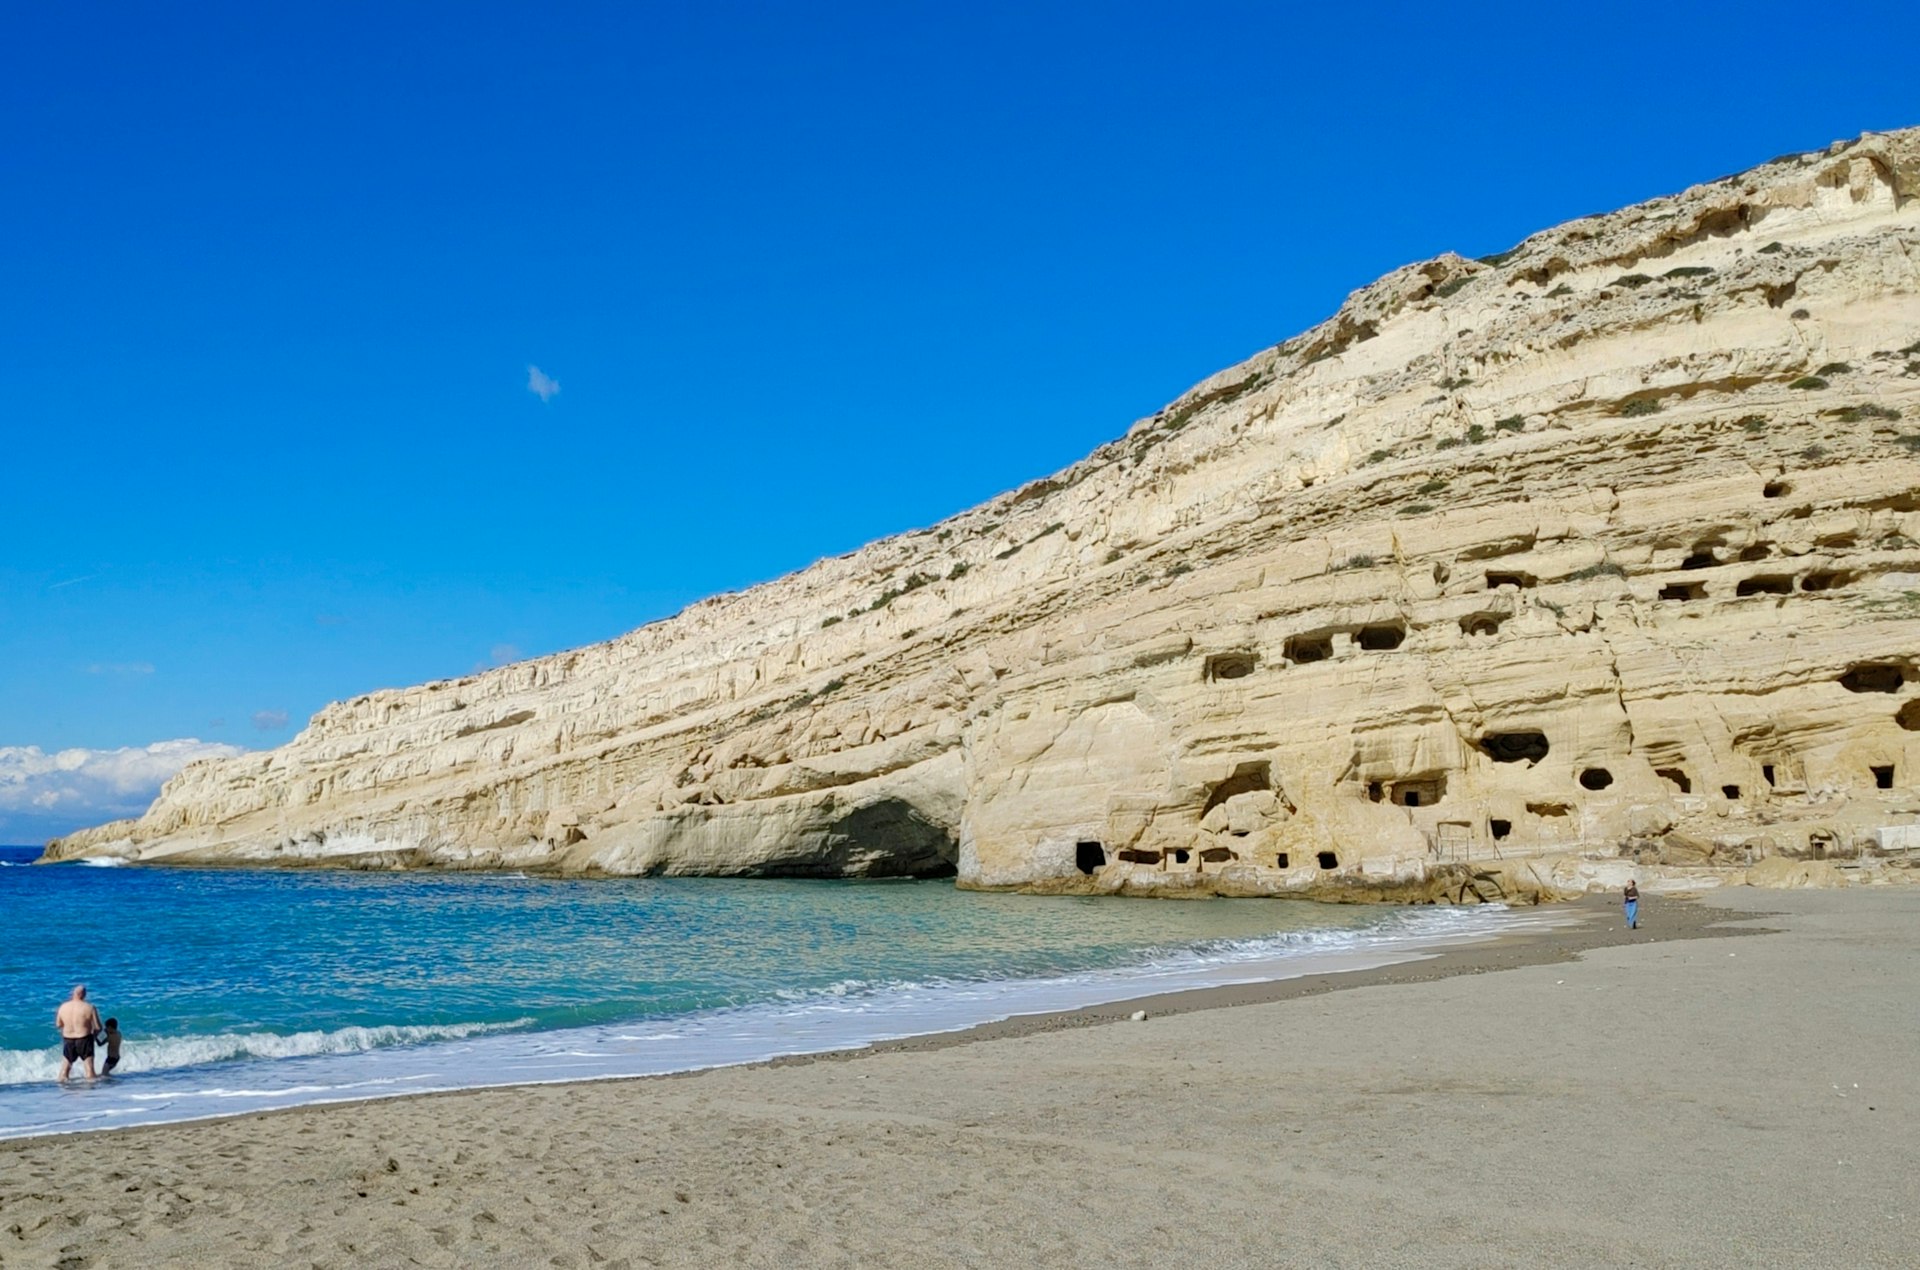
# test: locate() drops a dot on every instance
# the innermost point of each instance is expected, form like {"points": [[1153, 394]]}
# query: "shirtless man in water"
{"points": [[78, 1021]]}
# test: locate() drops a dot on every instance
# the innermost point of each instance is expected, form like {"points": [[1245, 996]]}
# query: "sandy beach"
{"points": [[1735, 1084]]}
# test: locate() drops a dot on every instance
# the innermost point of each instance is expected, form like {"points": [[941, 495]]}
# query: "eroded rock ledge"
{"points": [[1603, 549]]}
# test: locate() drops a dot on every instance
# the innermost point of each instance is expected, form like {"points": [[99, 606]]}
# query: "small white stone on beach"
{"points": [[1138, 1016]]}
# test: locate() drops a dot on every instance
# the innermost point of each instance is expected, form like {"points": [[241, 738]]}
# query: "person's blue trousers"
{"points": [[1633, 912]]}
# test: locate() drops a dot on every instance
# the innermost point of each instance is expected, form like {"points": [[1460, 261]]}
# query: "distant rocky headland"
{"points": [[1602, 551]]}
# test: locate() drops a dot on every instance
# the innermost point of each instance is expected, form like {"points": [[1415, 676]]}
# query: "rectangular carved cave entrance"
{"points": [[1231, 666], [1882, 775], [1304, 649], [1383, 637], [1089, 856], [1874, 678], [1420, 793], [1482, 625]]}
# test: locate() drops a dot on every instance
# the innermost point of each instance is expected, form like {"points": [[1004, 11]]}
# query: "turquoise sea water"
{"points": [[240, 989]]}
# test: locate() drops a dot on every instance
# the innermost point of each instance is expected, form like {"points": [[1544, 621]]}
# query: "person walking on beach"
{"points": [[112, 1034], [78, 1021], [1632, 905]]}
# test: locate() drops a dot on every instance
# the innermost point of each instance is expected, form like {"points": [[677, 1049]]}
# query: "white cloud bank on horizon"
{"points": [[44, 795], [541, 384]]}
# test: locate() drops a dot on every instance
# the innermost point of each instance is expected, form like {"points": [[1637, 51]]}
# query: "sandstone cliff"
{"points": [[1604, 548]]}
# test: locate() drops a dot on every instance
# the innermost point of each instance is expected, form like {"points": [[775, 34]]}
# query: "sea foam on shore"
{"points": [[192, 1078]]}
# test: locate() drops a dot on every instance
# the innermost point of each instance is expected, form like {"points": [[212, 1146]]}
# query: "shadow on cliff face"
{"points": [[885, 839]]}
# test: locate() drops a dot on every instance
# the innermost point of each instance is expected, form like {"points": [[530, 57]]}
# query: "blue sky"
{"points": [[272, 278]]}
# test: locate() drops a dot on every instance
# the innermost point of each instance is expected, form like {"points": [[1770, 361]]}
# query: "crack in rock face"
{"points": [[1511, 578]]}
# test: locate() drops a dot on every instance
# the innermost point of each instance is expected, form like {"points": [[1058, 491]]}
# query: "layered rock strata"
{"points": [[1604, 548]]}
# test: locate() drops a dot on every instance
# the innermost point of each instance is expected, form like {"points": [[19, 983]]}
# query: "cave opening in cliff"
{"points": [[1423, 792], [1823, 580], [887, 838], [1683, 591], [1328, 860], [1230, 666], [1775, 489], [1247, 778], [1282, 860], [1181, 855], [1700, 559], [1499, 828], [1515, 747], [1304, 649], [1764, 586], [1766, 774], [1497, 580], [1908, 716], [1482, 625], [1675, 776], [1731, 793], [1596, 778], [1133, 855], [1873, 678], [1218, 855], [1382, 638], [1758, 551], [1089, 856], [1882, 775]]}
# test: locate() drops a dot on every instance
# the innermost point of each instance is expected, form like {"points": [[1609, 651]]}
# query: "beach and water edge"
{"points": [[248, 990], [1682, 1094]]}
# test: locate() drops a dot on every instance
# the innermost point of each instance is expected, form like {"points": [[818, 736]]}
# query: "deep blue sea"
{"points": [[244, 989]]}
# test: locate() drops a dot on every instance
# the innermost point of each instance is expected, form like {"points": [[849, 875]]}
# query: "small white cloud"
{"points": [[269, 720], [44, 794], [541, 384], [120, 668]]}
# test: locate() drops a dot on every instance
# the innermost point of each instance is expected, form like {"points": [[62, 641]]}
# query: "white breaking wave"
{"points": [[325, 1067], [23, 1067]]}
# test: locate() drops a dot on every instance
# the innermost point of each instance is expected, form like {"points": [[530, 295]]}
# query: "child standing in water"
{"points": [[112, 1033], [1631, 897]]}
